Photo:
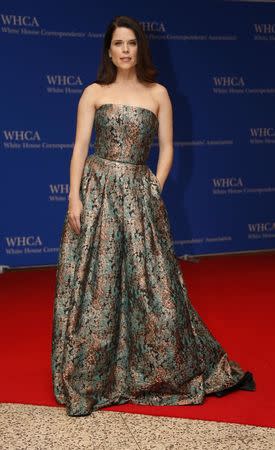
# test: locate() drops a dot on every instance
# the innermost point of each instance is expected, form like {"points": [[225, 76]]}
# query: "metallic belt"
{"points": [[116, 161]]}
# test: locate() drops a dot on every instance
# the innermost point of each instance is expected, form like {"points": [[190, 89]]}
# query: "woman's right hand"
{"points": [[74, 211]]}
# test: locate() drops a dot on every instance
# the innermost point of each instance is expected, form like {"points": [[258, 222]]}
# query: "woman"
{"points": [[124, 329]]}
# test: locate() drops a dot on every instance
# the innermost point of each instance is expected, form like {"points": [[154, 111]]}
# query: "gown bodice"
{"points": [[124, 132]]}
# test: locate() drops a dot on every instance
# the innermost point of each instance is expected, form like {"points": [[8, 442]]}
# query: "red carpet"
{"points": [[233, 294]]}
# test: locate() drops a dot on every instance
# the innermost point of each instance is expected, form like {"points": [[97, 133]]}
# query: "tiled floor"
{"points": [[42, 427]]}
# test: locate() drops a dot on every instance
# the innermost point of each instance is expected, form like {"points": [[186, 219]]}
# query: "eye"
{"points": [[131, 43]]}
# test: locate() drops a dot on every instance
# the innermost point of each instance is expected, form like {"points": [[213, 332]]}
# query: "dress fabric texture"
{"points": [[124, 329]]}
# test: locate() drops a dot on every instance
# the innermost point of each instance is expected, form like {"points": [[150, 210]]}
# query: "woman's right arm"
{"points": [[84, 125]]}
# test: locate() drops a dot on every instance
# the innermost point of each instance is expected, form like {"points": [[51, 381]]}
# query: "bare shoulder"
{"points": [[91, 90], [91, 94], [159, 89], [161, 96], [160, 93]]}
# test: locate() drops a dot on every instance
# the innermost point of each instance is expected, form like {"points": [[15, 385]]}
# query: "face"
{"points": [[123, 49]]}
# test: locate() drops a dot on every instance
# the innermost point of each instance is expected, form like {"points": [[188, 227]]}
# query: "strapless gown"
{"points": [[124, 329]]}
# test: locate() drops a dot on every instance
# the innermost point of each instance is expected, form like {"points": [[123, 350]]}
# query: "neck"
{"points": [[128, 77]]}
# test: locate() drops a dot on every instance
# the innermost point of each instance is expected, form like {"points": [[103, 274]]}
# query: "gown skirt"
{"points": [[124, 329]]}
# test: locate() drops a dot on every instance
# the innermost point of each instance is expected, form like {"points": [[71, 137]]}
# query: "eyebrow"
{"points": [[118, 40]]}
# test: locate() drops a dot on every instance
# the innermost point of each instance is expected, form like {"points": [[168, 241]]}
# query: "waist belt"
{"points": [[117, 161]]}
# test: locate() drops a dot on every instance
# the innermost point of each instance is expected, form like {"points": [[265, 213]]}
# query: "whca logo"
{"points": [[264, 28], [23, 241], [21, 135], [227, 182], [64, 80], [262, 132], [19, 21], [228, 81], [261, 227]]}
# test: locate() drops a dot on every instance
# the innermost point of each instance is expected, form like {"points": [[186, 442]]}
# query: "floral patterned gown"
{"points": [[124, 329]]}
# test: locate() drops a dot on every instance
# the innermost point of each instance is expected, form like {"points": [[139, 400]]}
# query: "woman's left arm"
{"points": [[165, 135]]}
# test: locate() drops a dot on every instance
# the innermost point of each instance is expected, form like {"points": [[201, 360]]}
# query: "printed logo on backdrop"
{"points": [[261, 230], [236, 186], [204, 240], [263, 31], [30, 25], [63, 84], [26, 245], [262, 135], [235, 84], [29, 140], [158, 30], [58, 192], [204, 142], [25, 25], [225, 186]]}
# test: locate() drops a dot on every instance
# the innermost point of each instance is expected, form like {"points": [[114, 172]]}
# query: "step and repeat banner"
{"points": [[216, 60]]}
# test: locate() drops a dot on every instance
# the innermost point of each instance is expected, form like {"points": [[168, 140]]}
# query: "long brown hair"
{"points": [[145, 70]]}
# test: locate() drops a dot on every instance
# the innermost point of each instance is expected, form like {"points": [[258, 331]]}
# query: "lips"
{"points": [[125, 59]]}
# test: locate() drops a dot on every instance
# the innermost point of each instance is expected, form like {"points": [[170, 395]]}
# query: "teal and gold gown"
{"points": [[124, 329]]}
